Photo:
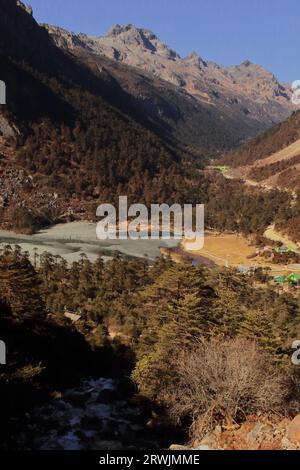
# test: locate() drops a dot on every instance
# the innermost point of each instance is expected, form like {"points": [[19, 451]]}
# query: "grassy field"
{"points": [[234, 250]]}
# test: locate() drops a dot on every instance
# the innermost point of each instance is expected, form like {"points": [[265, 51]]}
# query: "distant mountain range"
{"points": [[247, 97]]}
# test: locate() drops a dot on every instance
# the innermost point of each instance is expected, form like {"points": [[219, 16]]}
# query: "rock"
{"points": [[178, 447], [218, 430], [27, 8], [107, 397], [293, 431], [288, 445], [209, 440], [93, 423], [99, 445], [77, 399], [7, 129], [56, 395], [259, 433]]}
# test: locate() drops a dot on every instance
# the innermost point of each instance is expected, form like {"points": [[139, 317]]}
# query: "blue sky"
{"points": [[225, 31]]}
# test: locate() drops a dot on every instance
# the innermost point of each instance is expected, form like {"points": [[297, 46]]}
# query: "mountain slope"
{"points": [[271, 160], [72, 145], [159, 104], [71, 138], [248, 96]]}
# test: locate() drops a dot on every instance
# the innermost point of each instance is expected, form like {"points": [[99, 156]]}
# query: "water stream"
{"points": [[93, 416]]}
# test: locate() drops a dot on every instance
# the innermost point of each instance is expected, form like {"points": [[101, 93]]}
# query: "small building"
{"points": [[280, 280], [245, 269], [294, 279], [74, 317], [281, 249]]}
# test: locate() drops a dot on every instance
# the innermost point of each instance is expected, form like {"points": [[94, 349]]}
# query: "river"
{"points": [[93, 416], [72, 239]]}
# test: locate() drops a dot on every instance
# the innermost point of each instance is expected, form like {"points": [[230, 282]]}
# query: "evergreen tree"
{"points": [[19, 285]]}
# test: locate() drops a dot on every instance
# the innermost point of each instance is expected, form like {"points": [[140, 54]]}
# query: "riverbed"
{"points": [[96, 415], [73, 239]]}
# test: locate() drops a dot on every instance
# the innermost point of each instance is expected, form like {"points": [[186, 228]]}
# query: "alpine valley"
{"points": [[138, 344]]}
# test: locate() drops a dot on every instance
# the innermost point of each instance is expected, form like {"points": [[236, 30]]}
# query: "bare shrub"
{"points": [[224, 379]]}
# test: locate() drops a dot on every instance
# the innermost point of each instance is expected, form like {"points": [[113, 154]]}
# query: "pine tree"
{"points": [[258, 326], [19, 285], [193, 316]]}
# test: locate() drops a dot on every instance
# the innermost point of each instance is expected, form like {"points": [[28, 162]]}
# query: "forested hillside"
{"points": [[149, 320], [71, 140], [272, 159]]}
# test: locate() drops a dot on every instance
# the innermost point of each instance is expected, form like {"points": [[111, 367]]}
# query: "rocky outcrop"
{"points": [[257, 433], [66, 39], [27, 8]]}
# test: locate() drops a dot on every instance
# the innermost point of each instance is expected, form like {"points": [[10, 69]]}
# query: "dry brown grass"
{"points": [[225, 380], [235, 250]]}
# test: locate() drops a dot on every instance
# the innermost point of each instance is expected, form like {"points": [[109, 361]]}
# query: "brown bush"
{"points": [[224, 379]]}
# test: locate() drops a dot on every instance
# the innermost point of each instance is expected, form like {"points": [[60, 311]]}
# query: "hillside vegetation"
{"points": [[272, 159], [78, 142], [168, 322]]}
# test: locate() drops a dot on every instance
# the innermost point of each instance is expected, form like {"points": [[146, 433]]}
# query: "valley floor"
{"points": [[235, 250]]}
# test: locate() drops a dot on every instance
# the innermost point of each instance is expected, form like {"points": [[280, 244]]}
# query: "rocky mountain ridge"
{"points": [[246, 89]]}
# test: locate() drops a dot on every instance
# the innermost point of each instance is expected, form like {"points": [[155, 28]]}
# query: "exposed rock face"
{"points": [[68, 40], [256, 433], [133, 37], [27, 8], [246, 89]]}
